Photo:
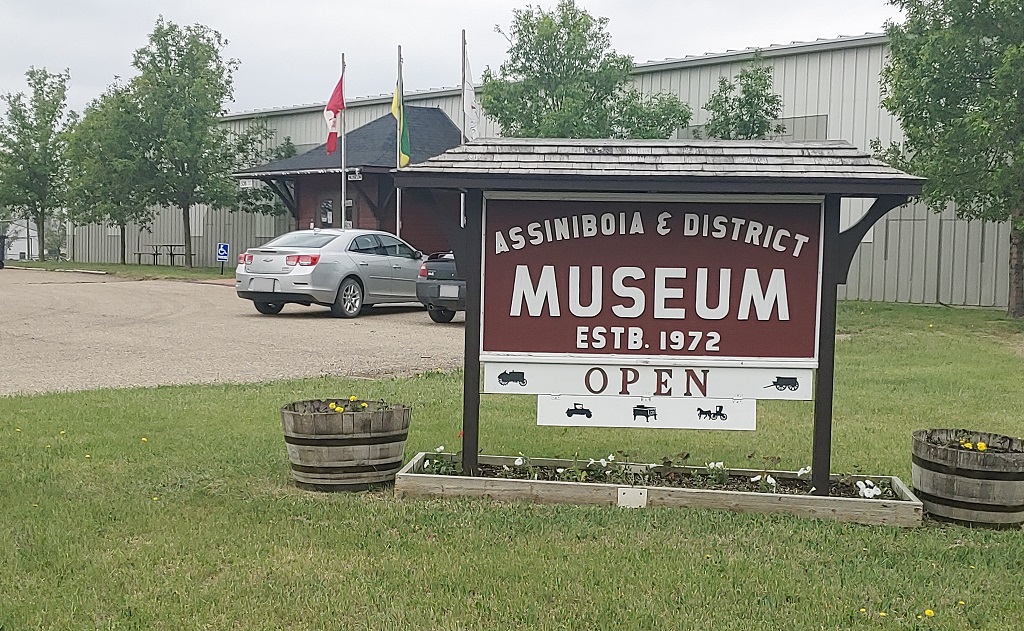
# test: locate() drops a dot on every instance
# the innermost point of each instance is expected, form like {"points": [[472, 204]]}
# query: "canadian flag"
{"points": [[334, 106]]}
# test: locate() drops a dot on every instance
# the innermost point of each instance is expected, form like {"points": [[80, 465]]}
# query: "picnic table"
{"points": [[171, 250]]}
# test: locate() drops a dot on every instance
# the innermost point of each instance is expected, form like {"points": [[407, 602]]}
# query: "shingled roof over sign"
{"points": [[741, 166], [431, 132]]}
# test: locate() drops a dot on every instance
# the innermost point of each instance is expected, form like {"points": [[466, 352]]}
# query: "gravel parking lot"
{"points": [[70, 331]]}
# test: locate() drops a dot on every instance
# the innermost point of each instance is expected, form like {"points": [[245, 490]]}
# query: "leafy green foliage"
{"points": [[110, 179], [251, 149], [182, 86], [562, 80], [954, 80], [33, 138], [750, 113]]}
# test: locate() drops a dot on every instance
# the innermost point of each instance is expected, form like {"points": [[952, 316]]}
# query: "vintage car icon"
{"points": [[512, 376], [782, 383], [577, 409], [645, 411]]}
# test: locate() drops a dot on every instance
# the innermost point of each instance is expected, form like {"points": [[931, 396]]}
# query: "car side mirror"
{"points": [[417, 255]]}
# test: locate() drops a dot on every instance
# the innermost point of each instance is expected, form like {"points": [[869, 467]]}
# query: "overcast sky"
{"points": [[289, 51]]}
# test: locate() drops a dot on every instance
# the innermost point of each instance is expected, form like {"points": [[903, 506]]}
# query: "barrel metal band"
{"points": [[345, 442], [366, 468], [975, 506], [974, 474]]}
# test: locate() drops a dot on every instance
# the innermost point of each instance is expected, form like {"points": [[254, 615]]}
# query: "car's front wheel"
{"points": [[269, 308], [441, 315], [349, 300]]}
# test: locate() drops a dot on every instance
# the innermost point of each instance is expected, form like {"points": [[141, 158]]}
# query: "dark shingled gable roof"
{"points": [[431, 132], [830, 166]]}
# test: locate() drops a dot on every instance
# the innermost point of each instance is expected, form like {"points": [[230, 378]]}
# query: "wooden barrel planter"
{"points": [[967, 485], [338, 450]]}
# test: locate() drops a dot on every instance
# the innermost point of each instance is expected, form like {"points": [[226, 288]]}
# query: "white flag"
{"points": [[469, 103]]}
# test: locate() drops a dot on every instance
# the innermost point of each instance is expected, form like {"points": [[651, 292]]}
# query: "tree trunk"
{"points": [[124, 243], [41, 235], [187, 225], [1015, 304]]}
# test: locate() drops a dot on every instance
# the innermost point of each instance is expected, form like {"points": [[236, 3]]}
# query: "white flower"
{"points": [[592, 461], [651, 466], [756, 478], [771, 482], [868, 489], [803, 471], [504, 467], [426, 463], [611, 457], [715, 465], [560, 470], [518, 462], [604, 463], [439, 449]]}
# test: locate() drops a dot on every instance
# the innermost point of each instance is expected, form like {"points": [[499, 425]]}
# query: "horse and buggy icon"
{"points": [[716, 415]]}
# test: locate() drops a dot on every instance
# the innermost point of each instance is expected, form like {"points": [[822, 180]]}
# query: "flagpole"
{"points": [[462, 83], [398, 144], [465, 136], [344, 175]]}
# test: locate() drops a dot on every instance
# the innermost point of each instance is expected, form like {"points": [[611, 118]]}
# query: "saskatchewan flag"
{"points": [[398, 111]]}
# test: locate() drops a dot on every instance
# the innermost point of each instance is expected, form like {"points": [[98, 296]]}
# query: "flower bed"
{"points": [[547, 480]]}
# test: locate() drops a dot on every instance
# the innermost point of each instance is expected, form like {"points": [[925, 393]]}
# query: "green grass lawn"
{"points": [[171, 508], [135, 272]]}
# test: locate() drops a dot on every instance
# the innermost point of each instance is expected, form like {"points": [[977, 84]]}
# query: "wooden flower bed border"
{"points": [[906, 512]]}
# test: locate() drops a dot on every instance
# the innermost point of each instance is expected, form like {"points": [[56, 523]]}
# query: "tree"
{"points": [[33, 137], [562, 80], [110, 178], [953, 79], [252, 149], [752, 113], [182, 85]]}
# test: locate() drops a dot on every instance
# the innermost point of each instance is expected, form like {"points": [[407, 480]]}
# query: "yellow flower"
{"points": [[882, 614], [47, 446], [62, 432], [982, 446], [17, 429], [863, 610], [363, 404], [155, 498], [960, 602], [145, 440], [968, 445], [88, 456], [929, 613], [353, 398], [333, 405]]}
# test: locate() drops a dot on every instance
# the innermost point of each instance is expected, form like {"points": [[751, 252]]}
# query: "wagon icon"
{"points": [[646, 411], [577, 409], [512, 376], [783, 383]]}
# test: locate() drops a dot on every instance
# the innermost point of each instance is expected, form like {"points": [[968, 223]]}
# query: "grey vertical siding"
{"points": [[830, 90]]}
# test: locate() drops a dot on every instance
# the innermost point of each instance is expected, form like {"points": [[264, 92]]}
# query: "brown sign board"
{"points": [[725, 279]]}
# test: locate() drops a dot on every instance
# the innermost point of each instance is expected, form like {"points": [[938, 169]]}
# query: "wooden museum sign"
{"points": [[654, 283]]}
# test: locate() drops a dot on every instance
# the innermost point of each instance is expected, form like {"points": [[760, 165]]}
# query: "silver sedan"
{"points": [[340, 269]]}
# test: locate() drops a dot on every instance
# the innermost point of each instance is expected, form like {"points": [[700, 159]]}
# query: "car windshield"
{"points": [[301, 240]]}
